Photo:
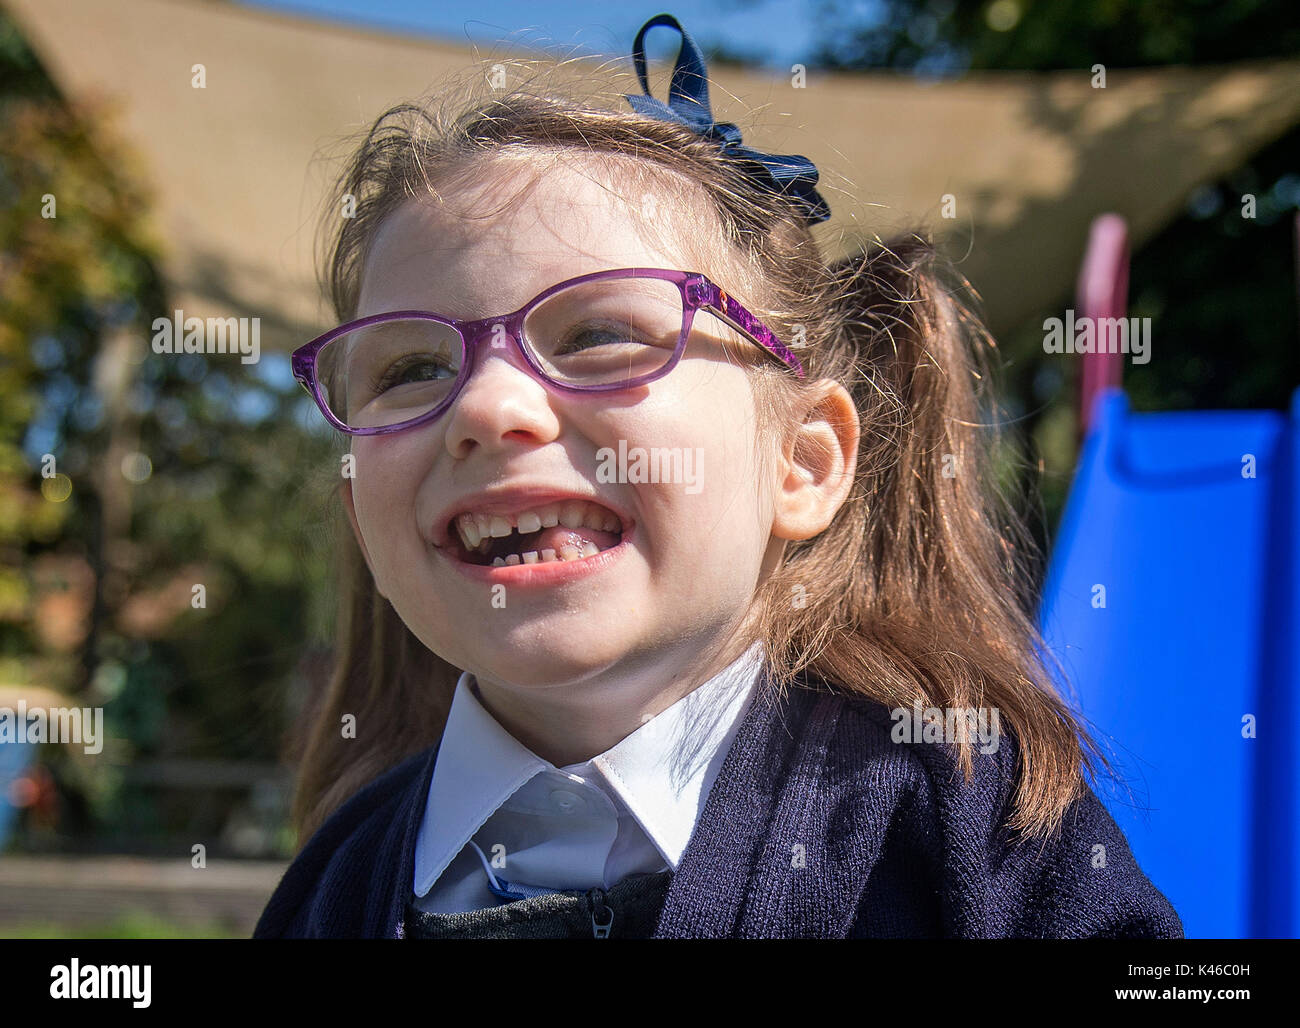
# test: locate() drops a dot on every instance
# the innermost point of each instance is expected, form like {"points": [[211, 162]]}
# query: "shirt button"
{"points": [[565, 801]]}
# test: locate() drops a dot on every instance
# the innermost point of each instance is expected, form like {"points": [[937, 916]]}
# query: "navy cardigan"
{"points": [[818, 826]]}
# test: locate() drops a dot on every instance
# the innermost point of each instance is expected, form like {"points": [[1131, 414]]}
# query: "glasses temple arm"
{"points": [[706, 294]]}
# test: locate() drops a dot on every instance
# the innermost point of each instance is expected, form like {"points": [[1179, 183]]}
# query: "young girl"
{"points": [[681, 603]]}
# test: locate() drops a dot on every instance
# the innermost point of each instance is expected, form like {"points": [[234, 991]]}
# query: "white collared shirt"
{"points": [[630, 810]]}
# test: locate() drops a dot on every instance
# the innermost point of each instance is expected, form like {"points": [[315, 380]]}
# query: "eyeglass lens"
{"points": [[604, 332]]}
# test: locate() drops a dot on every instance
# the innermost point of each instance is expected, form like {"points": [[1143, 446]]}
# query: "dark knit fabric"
{"points": [[818, 826], [627, 910]]}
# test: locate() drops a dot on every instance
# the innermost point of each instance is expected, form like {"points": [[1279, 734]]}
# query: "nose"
{"points": [[501, 399]]}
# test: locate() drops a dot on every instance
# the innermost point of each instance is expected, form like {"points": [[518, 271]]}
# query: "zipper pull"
{"points": [[596, 904]]}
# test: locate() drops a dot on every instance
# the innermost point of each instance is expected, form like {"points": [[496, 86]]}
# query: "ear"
{"points": [[350, 505], [819, 465]]}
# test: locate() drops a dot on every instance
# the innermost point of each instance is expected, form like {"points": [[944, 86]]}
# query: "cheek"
{"points": [[383, 490], [716, 517], [720, 421]]}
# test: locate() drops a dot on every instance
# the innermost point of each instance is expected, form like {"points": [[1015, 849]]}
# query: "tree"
{"points": [[128, 479]]}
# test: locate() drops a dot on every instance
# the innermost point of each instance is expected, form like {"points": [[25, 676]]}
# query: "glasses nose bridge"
{"points": [[474, 331]]}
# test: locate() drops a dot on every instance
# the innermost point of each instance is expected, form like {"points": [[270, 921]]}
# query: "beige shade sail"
{"points": [[1027, 159]]}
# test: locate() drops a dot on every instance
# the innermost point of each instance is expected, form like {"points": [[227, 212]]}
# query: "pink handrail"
{"points": [[1102, 293]]}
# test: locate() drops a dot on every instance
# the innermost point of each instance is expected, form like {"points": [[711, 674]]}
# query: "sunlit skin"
{"points": [[571, 669]]}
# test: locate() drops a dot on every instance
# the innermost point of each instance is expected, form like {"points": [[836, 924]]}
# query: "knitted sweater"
{"points": [[819, 825]]}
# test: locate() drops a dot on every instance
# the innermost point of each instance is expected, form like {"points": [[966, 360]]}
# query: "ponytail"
{"points": [[918, 591]]}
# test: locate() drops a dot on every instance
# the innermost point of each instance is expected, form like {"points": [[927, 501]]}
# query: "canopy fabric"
{"points": [[238, 173]]}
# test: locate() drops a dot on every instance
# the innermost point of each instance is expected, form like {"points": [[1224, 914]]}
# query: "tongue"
{"points": [[559, 536]]}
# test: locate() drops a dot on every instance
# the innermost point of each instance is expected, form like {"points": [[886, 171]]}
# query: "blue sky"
{"points": [[775, 33]]}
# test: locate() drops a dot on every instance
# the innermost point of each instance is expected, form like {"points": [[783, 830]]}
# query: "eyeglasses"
{"points": [[601, 332]]}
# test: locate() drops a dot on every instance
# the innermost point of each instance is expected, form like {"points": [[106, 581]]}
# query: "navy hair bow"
{"points": [[688, 104]]}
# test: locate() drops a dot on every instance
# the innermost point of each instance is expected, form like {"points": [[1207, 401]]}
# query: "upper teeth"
{"points": [[475, 528]]}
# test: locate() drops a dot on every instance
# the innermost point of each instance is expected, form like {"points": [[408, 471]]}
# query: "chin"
{"points": [[545, 663]]}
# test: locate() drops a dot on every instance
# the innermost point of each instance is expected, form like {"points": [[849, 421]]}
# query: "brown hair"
{"points": [[920, 588]]}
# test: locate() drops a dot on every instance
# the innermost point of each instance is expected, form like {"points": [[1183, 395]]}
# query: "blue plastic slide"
{"points": [[1171, 604]]}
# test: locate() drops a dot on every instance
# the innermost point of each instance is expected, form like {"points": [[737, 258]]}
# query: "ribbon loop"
{"points": [[688, 104]]}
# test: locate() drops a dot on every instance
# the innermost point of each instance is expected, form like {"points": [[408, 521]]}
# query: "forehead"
{"points": [[489, 246]]}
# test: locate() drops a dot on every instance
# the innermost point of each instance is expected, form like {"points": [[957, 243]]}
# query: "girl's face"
{"points": [[681, 580]]}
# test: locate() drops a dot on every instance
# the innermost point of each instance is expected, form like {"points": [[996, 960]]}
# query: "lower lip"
{"points": [[553, 572]]}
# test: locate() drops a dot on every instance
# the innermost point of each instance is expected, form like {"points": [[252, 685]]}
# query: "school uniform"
{"points": [[501, 823], [814, 824]]}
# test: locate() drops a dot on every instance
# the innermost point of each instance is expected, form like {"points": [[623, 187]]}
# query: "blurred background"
{"points": [[132, 184]]}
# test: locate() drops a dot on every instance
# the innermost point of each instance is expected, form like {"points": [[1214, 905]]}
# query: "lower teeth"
{"points": [[566, 553]]}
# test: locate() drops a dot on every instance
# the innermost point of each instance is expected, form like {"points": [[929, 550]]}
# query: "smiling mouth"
{"points": [[571, 530]]}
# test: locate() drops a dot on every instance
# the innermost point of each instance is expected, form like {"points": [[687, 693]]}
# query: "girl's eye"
{"points": [[590, 337], [414, 368]]}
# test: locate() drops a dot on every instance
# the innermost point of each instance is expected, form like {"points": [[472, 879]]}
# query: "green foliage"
{"points": [[98, 570], [948, 36]]}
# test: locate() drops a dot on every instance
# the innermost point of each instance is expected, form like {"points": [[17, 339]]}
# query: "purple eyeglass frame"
{"points": [[698, 293]]}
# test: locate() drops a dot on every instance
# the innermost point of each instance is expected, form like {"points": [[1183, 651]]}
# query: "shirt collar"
{"points": [[662, 771]]}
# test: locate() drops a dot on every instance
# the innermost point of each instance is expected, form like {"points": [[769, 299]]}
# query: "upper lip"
{"points": [[513, 500]]}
